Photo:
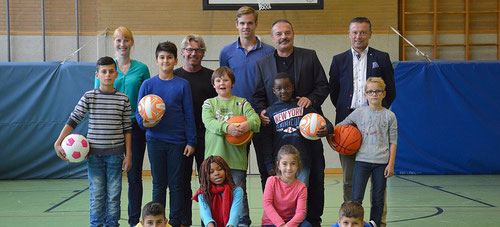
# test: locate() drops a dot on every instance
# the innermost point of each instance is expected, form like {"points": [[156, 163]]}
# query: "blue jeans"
{"points": [[167, 168], [240, 179], [134, 176], [303, 224], [363, 171], [105, 184]]}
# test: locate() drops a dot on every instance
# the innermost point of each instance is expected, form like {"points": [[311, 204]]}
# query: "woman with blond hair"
{"points": [[131, 74]]}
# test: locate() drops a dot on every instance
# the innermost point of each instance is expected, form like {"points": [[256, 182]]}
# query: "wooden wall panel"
{"points": [[182, 16], [451, 16], [26, 17]]}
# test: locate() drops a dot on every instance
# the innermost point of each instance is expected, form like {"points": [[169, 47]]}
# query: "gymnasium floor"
{"points": [[413, 200]]}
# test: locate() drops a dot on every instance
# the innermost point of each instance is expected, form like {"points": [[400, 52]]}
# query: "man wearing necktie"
{"points": [[348, 74]]}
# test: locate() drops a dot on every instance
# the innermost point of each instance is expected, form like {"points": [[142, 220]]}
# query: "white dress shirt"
{"points": [[359, 78]]}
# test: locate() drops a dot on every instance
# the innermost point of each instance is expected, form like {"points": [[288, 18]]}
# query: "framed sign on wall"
{"points": [[263, 4]]}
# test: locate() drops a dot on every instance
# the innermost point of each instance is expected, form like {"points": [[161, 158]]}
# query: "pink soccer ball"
{"points": [[76, 147]]}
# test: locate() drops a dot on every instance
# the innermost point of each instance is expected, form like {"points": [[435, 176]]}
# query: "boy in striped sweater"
{"points": [[109, 135]]}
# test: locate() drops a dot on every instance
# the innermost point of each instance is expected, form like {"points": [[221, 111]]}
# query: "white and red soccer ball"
{"points": [[76, 147], [310, 124], [151, 107]]}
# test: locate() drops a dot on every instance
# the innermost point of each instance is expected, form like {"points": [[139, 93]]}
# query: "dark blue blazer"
{"points": [[341, 82], [310, 79]]}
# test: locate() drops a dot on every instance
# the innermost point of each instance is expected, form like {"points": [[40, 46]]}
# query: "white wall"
{"points": [[29, 48]]}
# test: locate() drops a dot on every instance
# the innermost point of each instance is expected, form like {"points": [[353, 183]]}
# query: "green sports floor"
{"points": [[413, 200]]}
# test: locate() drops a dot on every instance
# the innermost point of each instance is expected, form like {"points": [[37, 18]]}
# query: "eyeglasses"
{"points": [[374, 92], [278, 89], [190, 50]]}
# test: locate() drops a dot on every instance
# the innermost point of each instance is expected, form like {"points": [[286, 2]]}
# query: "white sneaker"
{"points": [[372, 223]]}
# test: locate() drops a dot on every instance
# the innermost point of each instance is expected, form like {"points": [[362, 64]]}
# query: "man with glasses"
{"points": [[193, 50], [311, 89], [348, 74]]}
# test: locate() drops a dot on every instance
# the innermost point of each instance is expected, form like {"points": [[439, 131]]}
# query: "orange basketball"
{"points": [[240, 140], [151, 107], [310, 124], [346, 139]]}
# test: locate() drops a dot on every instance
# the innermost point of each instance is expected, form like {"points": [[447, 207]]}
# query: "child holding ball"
{"points": [[377, 153], [285, 116], [110, 138], [172, 138], [285, 197], [215, 113], [220, 199]]}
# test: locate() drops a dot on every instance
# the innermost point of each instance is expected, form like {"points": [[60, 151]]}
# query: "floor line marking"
{"points": [[445, 191], [66, 200], [438, 212]]}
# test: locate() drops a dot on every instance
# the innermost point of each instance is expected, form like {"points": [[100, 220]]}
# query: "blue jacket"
{"points": [[341, 79]]}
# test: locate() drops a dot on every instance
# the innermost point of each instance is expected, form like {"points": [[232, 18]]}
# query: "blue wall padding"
{"points": [[37, 99], [448, 117]]}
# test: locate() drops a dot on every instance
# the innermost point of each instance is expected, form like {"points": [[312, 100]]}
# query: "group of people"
{"points": [[273, 87]]}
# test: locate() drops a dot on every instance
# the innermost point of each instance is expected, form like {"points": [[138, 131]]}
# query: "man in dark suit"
{"points": [[311, 88], [348, 74]]}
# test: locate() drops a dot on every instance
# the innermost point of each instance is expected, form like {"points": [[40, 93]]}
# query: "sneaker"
{"points": [[372, 223]]}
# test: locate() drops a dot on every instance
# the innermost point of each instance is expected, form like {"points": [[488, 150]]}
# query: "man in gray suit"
{"points": [[311, 88]]}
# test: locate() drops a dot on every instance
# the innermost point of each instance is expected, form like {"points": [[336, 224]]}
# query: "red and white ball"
{"points": [[310, 125], [151, 108], [76, 147]]}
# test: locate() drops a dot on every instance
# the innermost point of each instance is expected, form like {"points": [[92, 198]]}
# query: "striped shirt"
{"points": [[109, 120]]}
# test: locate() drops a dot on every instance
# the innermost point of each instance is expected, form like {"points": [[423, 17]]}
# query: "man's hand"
{"points": [[188, 150], [303, 102], [263, 118]]}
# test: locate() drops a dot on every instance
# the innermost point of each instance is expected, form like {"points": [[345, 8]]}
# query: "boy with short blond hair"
{"points": [[109, 136], [377, 154]]}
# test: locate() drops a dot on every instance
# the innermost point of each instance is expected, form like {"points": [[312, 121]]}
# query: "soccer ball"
{"points": [[310, 124], [76, 147], [151, 108]]}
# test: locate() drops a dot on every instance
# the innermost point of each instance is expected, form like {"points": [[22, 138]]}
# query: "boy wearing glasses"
{"points": [[377, 153], [285, 116]]}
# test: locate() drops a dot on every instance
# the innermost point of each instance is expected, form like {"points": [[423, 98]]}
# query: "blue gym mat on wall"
{"points": [[448, 117], [37, 99]]}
